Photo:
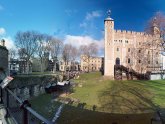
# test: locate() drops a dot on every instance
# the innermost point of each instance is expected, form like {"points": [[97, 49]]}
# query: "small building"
{"points": [[20, 66], [69, 66], [14, 66], [24, 66], [92, 63]]}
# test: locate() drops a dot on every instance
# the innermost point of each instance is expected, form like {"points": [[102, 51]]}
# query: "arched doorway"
{"points": [[117, 61]]}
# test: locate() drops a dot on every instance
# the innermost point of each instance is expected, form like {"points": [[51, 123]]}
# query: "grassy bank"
{"points": [[129, 101]]}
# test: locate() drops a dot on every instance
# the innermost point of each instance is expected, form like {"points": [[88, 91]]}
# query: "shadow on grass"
{"points": [[123, 97], [75, 115]]}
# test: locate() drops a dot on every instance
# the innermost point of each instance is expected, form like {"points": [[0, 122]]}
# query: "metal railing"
{"points": [[20, 110]]}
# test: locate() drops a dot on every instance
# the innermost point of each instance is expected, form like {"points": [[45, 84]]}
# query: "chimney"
{"points": [[3, 42]]}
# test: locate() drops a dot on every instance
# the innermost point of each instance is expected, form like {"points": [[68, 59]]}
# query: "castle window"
{"points": [[139, 43], [126, 41], [129, 60], [148, 52], [148, 62], [139, 51], [129, 49], [156, 62], [117, 49], [139, 61]]}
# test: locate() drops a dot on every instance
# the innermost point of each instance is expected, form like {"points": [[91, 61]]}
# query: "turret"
{"points": [[109, 46], [3, 42], [155, 29]]}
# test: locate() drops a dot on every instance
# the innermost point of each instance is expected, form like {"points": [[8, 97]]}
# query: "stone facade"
{"points": [[136, 50], [69, 66], [94, 63], [3, 60]]}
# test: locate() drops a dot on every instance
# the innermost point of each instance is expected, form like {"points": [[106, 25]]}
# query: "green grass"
{"points": [[75, 115], [116, 101], [43, 105], [91, 85], [120, 96]]}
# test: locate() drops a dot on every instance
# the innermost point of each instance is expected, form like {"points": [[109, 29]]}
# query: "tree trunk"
{"points": [[41, 65], [27, 69], [88, 65], [54, 68]]}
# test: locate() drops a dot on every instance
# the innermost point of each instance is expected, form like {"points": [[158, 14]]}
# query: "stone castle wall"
{"points": [[4, 59], [122, 47], [132, 33]]}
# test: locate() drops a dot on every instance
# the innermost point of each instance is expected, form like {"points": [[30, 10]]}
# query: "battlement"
{"points": [[132, 33]]}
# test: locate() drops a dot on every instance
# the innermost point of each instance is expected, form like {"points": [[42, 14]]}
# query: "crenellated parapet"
{"points": [[132, 33]]}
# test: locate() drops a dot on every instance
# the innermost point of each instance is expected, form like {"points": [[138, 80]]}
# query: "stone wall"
{"points": [[28, 87], [3, 60], [122, 47]]}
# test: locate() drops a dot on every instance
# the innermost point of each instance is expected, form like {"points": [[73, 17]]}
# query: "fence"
{"points": [[20, 110]]}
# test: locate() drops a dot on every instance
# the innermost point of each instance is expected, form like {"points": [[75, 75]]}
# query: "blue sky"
{"points": [[74, 20]]}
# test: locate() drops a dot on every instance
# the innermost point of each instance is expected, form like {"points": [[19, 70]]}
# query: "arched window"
{"points": [[117, 61], [117, 49], [129, 61], [129, 49]]}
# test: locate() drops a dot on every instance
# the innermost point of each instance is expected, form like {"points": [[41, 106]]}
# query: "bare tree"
{"points": [[74, 53], [141, 60], [28, 42], [87, 51], [42, 49], [69, 54], [55, 47], [156, 26], [12, 53], [66, 54], [21, 53]]}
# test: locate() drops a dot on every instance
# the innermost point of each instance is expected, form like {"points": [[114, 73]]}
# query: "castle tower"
{"points": [[155, 29], [109, 46]]}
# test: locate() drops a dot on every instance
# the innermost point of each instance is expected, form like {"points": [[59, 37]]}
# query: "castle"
{"points": [[135, 50]]}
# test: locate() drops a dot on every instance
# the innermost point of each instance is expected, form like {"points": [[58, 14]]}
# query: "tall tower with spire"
{"points": [[109, 46]]}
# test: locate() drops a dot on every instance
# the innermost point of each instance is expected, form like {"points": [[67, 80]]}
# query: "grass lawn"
{"points": [[126, 102]]}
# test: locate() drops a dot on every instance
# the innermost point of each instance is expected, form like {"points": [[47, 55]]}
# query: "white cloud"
{"points": [[2, 31], [9, 43], [89, 19], [77, 41], [93, 14]]}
